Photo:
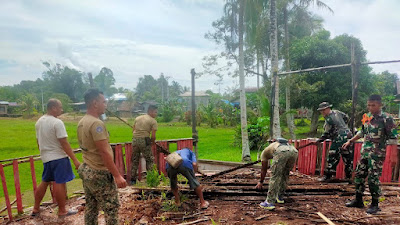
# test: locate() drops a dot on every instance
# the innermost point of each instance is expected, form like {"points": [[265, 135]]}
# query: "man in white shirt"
{"points": [[54, 149]]}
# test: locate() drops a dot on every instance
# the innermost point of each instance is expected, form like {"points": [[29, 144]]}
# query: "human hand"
{"points": [[345, 145], [259, 185], [77, 164], [121, 182]]}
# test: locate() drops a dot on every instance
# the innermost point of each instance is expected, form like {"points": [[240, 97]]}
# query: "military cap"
{"points": [[324, 105], [282, 140]]}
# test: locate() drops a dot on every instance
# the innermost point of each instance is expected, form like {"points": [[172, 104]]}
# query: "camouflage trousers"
{"points": [[139, 146], [283, 162], [335, 151], [370, 165], [100, 193]]}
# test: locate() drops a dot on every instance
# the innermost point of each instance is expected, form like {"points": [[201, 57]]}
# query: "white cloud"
{"points": [[374, 22]]}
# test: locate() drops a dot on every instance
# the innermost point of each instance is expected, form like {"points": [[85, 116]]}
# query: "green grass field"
{"points": [[18, 139]]}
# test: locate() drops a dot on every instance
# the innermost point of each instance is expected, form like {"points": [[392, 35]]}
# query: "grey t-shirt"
{"points": [[48, 130]]}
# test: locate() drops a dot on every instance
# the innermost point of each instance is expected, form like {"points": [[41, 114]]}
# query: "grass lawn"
{"points": [[18, 139]]}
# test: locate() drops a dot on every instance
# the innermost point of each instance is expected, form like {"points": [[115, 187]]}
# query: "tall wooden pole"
{"points": [[355, 70], [195, 136]]}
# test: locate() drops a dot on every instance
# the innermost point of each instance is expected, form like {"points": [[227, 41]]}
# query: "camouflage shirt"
{"points": [[335, 124], [378, 130]]}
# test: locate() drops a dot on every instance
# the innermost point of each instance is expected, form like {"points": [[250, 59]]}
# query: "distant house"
{"points": [[79, 107], [6, 108], [200, 98], [142, 107], [3, 107], [127, 109], [124, 109]]}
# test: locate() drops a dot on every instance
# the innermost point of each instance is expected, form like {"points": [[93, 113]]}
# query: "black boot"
{"points": [[326, 178], [374, 208], [357, 203]]}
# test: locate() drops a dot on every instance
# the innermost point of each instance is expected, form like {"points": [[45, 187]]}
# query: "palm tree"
{"points": [[306, 3], [28, 102], [243, 111], [275, 125]]}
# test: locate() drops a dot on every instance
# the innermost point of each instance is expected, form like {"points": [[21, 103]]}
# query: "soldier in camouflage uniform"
{"points": [[143, 127], [337, 130], [378, 130], [98, 170], [284, 157]]}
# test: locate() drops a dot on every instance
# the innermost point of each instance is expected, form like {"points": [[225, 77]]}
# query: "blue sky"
{"points": [[134, 38]]}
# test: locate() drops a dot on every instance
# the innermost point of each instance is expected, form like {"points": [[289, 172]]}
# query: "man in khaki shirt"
{"points": [[98, 170], [141, 142]]}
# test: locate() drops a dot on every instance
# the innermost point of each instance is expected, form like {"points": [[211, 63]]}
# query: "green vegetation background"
{"points": [[18, 139]]}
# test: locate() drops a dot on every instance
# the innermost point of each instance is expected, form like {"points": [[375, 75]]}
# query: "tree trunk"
{"points": [[289, 116], [276, 127], [314, 122], [243, 113]]}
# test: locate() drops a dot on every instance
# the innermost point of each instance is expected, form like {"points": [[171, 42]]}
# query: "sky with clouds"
{"points": [[134, 38]]}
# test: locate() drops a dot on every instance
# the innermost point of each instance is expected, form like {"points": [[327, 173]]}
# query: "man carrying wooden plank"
{"points": [[284, 157], [143, 127], [378, 130], [337, 130], [54, 151]]}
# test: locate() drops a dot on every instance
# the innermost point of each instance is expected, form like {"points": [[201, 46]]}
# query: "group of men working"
{"points": [[99, 174], [378, 130], [101, 178]]}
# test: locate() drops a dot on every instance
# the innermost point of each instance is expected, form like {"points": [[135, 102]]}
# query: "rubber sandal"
{"points": [[206, 205], [69, 213]]}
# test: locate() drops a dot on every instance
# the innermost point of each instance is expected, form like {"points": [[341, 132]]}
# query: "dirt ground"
{"points": [[234, 200]]}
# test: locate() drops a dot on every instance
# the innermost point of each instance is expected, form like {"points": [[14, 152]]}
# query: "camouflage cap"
{"points": [[324, 105]]}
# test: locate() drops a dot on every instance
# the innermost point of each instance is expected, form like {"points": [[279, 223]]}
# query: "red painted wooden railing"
{"points": [[306, 164], [123, 167]]}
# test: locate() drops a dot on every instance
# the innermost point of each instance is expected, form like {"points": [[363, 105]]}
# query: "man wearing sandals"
{"points": [[187, 168], [54, 151], [284, 157]]}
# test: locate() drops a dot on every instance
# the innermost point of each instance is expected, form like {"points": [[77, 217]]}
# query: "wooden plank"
{"points": [[33, 174], [328, 221], [17, 187], [6, 197]]}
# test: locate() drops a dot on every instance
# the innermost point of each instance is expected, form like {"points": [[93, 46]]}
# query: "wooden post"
{"points": [[6, 197], [128, 158], [195, 136], [323, 159], [17, 187], [32, 163], [355, 64]]}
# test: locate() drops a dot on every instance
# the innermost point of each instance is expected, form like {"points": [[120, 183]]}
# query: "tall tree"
{"points": [[105, 81], [63, 79], [273, 28], [243, 107], [304, 20]]}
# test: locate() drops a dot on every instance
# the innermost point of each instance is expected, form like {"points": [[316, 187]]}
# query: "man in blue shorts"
{"points": [[54, 151], [187, 168]]}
